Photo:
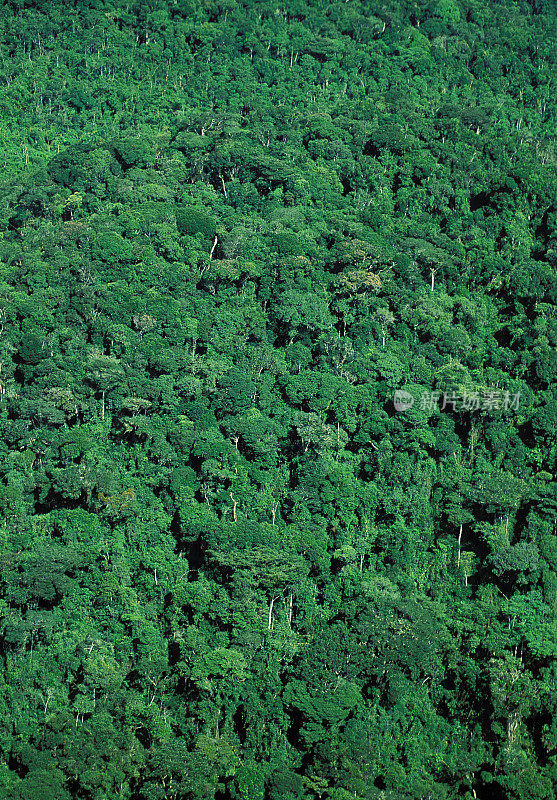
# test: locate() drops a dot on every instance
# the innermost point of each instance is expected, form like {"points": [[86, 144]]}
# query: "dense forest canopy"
{"points": [[278, 400]]}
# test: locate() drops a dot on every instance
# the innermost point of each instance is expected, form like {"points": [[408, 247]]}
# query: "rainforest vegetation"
{"points": [[235, 565]]}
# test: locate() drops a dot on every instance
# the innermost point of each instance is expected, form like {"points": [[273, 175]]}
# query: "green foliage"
{"points": [[190, 221], [232, 564]]}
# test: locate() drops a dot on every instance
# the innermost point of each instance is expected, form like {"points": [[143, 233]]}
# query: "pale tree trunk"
{"points": [[193, 353], [459, 543], [214, 244], [272, 603]]}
